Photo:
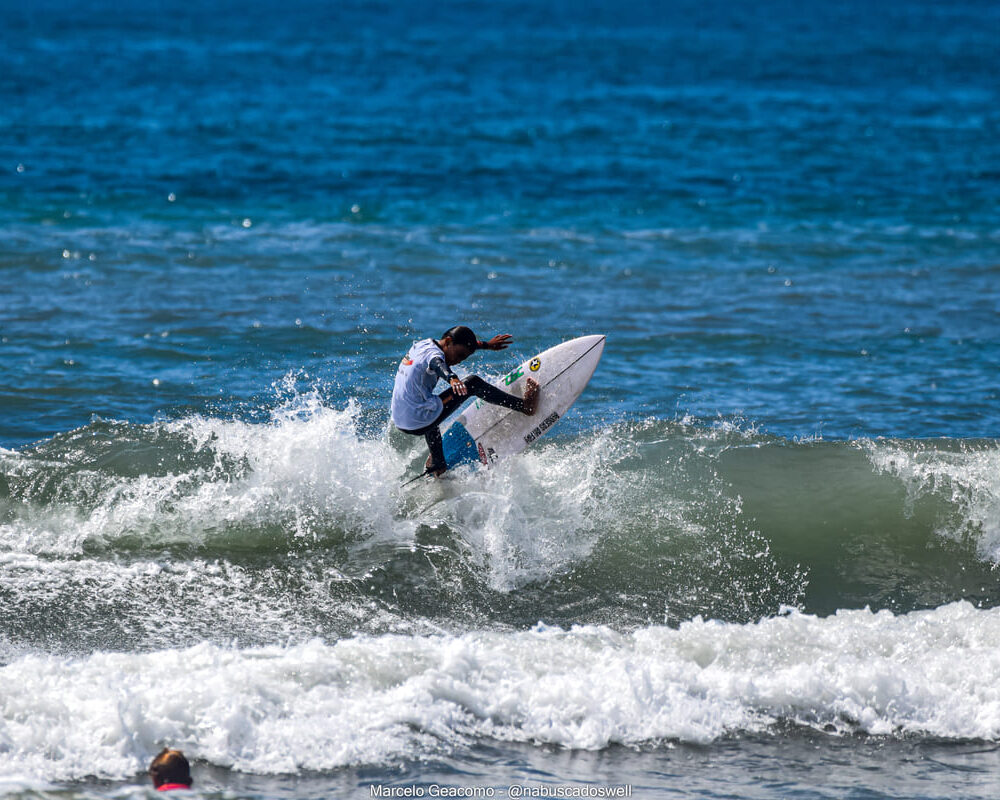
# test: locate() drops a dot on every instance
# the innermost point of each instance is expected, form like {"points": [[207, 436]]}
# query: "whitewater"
{"points": [[234, 588]]}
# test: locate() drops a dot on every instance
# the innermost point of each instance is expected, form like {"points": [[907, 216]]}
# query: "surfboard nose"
{"points": [[592, 344], [590, 340]]}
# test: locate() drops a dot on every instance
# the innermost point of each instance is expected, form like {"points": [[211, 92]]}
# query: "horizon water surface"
{"points": [[760, 556]]}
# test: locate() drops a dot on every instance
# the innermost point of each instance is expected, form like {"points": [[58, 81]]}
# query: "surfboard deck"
{"points": [[487, 433]]}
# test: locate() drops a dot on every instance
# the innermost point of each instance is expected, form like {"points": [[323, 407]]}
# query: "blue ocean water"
{"points": [[759, 558]]}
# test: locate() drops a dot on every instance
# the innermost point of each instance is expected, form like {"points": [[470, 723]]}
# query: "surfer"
{"points": [[416, 410], [170, 771]]}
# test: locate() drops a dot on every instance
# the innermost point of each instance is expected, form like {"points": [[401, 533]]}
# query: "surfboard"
{"points": [[488, 433]]}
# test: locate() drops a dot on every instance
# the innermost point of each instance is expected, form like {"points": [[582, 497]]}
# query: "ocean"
{"points": [[759, 557]]}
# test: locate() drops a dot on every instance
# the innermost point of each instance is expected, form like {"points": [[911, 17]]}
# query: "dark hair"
{"points": [[170, 766], [463, 336]]}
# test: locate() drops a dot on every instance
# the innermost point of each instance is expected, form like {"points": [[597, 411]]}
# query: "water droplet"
{"points": [[247, 222]]}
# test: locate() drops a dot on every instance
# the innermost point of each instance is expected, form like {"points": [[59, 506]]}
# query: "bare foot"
{"points": [[530, 396], [437, 473]]}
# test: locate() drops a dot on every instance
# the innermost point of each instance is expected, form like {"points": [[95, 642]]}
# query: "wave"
{"points": [[890, 523], [274, 531], [382, 699]]}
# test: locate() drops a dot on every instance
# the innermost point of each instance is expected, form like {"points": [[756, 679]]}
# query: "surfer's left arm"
{"points": [[499, 342], [443, 371]]}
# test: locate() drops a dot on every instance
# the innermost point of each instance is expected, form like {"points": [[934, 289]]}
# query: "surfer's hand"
{"points": [[499, 342], [458, 387]]}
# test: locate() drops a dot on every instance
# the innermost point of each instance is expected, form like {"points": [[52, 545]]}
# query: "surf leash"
{"points": [[423, 474]]}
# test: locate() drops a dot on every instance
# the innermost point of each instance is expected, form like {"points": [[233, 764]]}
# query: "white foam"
{"points": [[309, 474], [967, 478], [307, 470], [122, 603], [308, 465], [530, 517], [376, 700]]}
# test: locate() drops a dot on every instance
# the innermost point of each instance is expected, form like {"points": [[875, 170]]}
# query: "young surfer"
{"points": [[170, 770], [418, 411]]}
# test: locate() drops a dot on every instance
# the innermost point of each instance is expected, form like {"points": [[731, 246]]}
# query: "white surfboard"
{"points": [[487, 433]]}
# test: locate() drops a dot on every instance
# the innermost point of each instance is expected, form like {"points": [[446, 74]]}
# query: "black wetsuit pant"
{"points": [[477, 388]]}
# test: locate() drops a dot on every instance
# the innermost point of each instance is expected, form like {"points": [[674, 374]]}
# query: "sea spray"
{"points": [[961, 480]]}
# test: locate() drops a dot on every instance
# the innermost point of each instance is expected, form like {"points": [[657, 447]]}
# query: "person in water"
{"points": [[170, 770], [416, 410]]}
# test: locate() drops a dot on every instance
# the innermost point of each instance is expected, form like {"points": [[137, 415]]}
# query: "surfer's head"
{"points": [[170, 768], [458, 344]]}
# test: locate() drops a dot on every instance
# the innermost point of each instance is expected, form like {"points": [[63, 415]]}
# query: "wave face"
{"points": [[276, 532]]}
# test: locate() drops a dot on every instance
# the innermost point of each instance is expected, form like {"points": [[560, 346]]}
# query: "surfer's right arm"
{"points": [[499, 342]]}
